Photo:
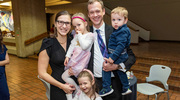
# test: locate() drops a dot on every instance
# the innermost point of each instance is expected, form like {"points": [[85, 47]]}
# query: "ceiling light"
{"points": [[5, 4]]}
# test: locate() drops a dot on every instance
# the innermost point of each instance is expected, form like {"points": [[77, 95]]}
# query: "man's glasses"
{"points": [[61, 23]]}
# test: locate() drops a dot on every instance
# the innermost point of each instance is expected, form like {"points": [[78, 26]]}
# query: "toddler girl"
{"points": [[78, 54], [87, 87]]}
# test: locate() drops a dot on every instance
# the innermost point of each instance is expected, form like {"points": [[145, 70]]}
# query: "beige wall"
{"points": [[161, 17], [29, 21], [72, 9]]}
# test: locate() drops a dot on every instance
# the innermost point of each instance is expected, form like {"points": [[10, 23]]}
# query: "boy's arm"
{"points": [[128, 63], [121, 39]]}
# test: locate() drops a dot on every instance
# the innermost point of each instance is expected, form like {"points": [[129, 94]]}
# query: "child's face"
{"points": [[85, 85], [118, 20], [79, 25]]}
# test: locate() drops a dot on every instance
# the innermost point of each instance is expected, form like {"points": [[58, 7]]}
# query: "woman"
{"points": [[53, 52], [4, 60]]}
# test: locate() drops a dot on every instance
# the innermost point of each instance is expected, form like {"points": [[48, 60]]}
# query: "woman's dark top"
{"points": [[56, 55]]}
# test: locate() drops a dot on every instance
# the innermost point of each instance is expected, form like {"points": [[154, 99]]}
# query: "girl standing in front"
{"points": [[4, 59], [87, 87], [78, 54]]}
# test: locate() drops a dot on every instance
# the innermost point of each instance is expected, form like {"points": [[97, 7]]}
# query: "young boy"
{"points": [[118, 43]]}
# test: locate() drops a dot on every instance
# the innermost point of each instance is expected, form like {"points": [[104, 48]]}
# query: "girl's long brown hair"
{"points": [[87, 74], [1, 41]]}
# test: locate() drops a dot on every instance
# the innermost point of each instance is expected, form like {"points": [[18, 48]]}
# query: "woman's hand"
{"points": [[66, 61], [68, 88]]}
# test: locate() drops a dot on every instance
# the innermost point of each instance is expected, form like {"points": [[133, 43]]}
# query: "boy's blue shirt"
{"points": [[118, 42]]}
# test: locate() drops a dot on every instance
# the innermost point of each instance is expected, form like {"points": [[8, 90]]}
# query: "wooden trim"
{"points": [[134, 44], [36, 38], [9, 43], [174, 41], [133, 28]]}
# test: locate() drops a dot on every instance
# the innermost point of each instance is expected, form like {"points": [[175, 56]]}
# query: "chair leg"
{"points": [[148, 97], [155, 96], [167, 95]]}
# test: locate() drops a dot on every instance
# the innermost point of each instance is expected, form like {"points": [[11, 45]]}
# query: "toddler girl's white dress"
{"points": [[79, 52]]}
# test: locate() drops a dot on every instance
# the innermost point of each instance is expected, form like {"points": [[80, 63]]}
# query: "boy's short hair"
{"points": [[100, 1], [121, 11]]}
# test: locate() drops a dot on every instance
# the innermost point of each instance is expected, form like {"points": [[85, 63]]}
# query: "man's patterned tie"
{"points": [[101, 44]]}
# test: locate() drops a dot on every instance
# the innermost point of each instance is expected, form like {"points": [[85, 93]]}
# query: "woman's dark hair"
{"points": [[56, 18], [1, 41]]}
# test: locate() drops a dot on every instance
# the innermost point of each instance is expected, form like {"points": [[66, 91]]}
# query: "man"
{"points": [[96, 11]]}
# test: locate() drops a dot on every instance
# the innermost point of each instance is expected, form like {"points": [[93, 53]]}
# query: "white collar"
{"points": [[102, 28]]}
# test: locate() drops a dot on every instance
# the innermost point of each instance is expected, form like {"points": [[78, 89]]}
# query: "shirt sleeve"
{"points": [[123, 67], [46, 44], [5, 49], [131, 59], [85, 41]]}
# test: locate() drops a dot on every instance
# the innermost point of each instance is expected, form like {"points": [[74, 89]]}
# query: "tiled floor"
{"points": [[22, 79], [24, 84]]}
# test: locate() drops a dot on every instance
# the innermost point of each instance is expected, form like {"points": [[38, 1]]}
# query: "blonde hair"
{"points": [[82, 16], [121, 11], [85, 73], [100, 1]]}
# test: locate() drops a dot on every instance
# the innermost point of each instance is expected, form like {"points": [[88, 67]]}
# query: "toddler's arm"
{"points": [[122, 40], [111, 61], [85, 41]]}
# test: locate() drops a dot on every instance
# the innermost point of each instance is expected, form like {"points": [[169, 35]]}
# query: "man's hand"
{"points": [[109, 67]]}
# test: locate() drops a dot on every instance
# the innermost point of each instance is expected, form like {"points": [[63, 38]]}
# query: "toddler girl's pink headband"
{"points": [[89, 73], [79, 18]]}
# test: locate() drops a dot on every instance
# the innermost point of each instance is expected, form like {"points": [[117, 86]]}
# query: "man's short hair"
{"points": [[100, 1]]}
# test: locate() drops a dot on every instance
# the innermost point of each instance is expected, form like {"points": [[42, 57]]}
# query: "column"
{"points": [[29, 21]]}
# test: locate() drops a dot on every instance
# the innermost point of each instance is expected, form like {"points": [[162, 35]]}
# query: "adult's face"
{"points": [[96, 13], [63, 25]]}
